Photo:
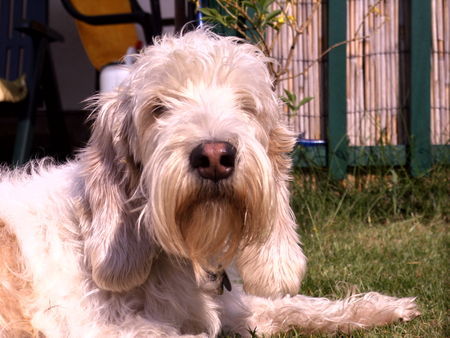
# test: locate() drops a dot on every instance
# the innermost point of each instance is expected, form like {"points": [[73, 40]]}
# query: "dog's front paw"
{"points": [[272, 273]]}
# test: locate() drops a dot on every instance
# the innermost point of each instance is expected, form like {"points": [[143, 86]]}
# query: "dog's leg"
{"points": [[309, 314]]}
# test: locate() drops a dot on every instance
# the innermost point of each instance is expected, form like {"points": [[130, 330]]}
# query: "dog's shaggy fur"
{"points": [[185, 175]]}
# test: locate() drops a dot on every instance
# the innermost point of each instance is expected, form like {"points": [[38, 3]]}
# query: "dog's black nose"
{"points": [[213, 160]]}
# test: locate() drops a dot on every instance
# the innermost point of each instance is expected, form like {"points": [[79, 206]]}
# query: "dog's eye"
{"points": [[158, 110]]}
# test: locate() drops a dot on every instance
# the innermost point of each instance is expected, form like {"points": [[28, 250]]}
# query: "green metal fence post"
{"points": [[419, 102], [336, 95]]}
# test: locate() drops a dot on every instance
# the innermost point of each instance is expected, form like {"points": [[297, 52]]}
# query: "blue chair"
{"points": [[24, 49]]}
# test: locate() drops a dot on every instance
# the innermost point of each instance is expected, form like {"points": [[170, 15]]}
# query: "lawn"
{"points": [[381, 231], [403, 258]]}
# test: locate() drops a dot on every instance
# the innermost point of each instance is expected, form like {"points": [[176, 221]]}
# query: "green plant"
{"points": [[293, 103], [252, 19], [267, 23]]}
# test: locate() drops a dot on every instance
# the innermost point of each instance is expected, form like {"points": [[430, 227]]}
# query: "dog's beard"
{"points": [[212, 227]]}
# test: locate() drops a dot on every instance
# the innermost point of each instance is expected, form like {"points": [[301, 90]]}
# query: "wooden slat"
{"points": [[336, 90], [419, 105]]}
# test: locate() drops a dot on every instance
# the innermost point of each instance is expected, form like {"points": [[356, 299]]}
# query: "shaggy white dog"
{"points": [[185, 175]]}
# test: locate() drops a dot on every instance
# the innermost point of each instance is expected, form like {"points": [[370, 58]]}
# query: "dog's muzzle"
{"points": [[213, 160]]}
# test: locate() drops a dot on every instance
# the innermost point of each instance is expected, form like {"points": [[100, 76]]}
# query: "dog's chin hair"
{"points": [[209, 220], [212, 231]]}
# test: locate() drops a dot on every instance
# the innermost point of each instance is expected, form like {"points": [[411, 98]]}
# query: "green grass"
{"points": [[403, 258], [379, 231]]}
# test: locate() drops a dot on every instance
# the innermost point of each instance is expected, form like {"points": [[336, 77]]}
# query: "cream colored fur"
{"points": [[123, 240]]}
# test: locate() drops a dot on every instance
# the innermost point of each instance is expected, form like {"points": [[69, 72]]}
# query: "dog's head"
{"points": [[188, 155]]}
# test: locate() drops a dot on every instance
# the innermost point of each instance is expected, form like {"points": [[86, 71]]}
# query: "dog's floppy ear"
{"points": [[117, 249], [282, 246]]}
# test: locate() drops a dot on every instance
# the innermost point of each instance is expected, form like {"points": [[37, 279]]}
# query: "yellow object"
{"points": [[106, 43], [13, 91]]}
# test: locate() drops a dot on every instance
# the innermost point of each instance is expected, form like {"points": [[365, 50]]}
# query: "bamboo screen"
{"points": [[377, 70], [304, 78], [440, 72], [375, 104]]}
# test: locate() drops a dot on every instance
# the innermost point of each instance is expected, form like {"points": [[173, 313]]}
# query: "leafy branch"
{"points": [[253, 19]]}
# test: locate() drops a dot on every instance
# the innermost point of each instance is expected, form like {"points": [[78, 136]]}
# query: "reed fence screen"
{"points": [[440, 72], [378, 72]]}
